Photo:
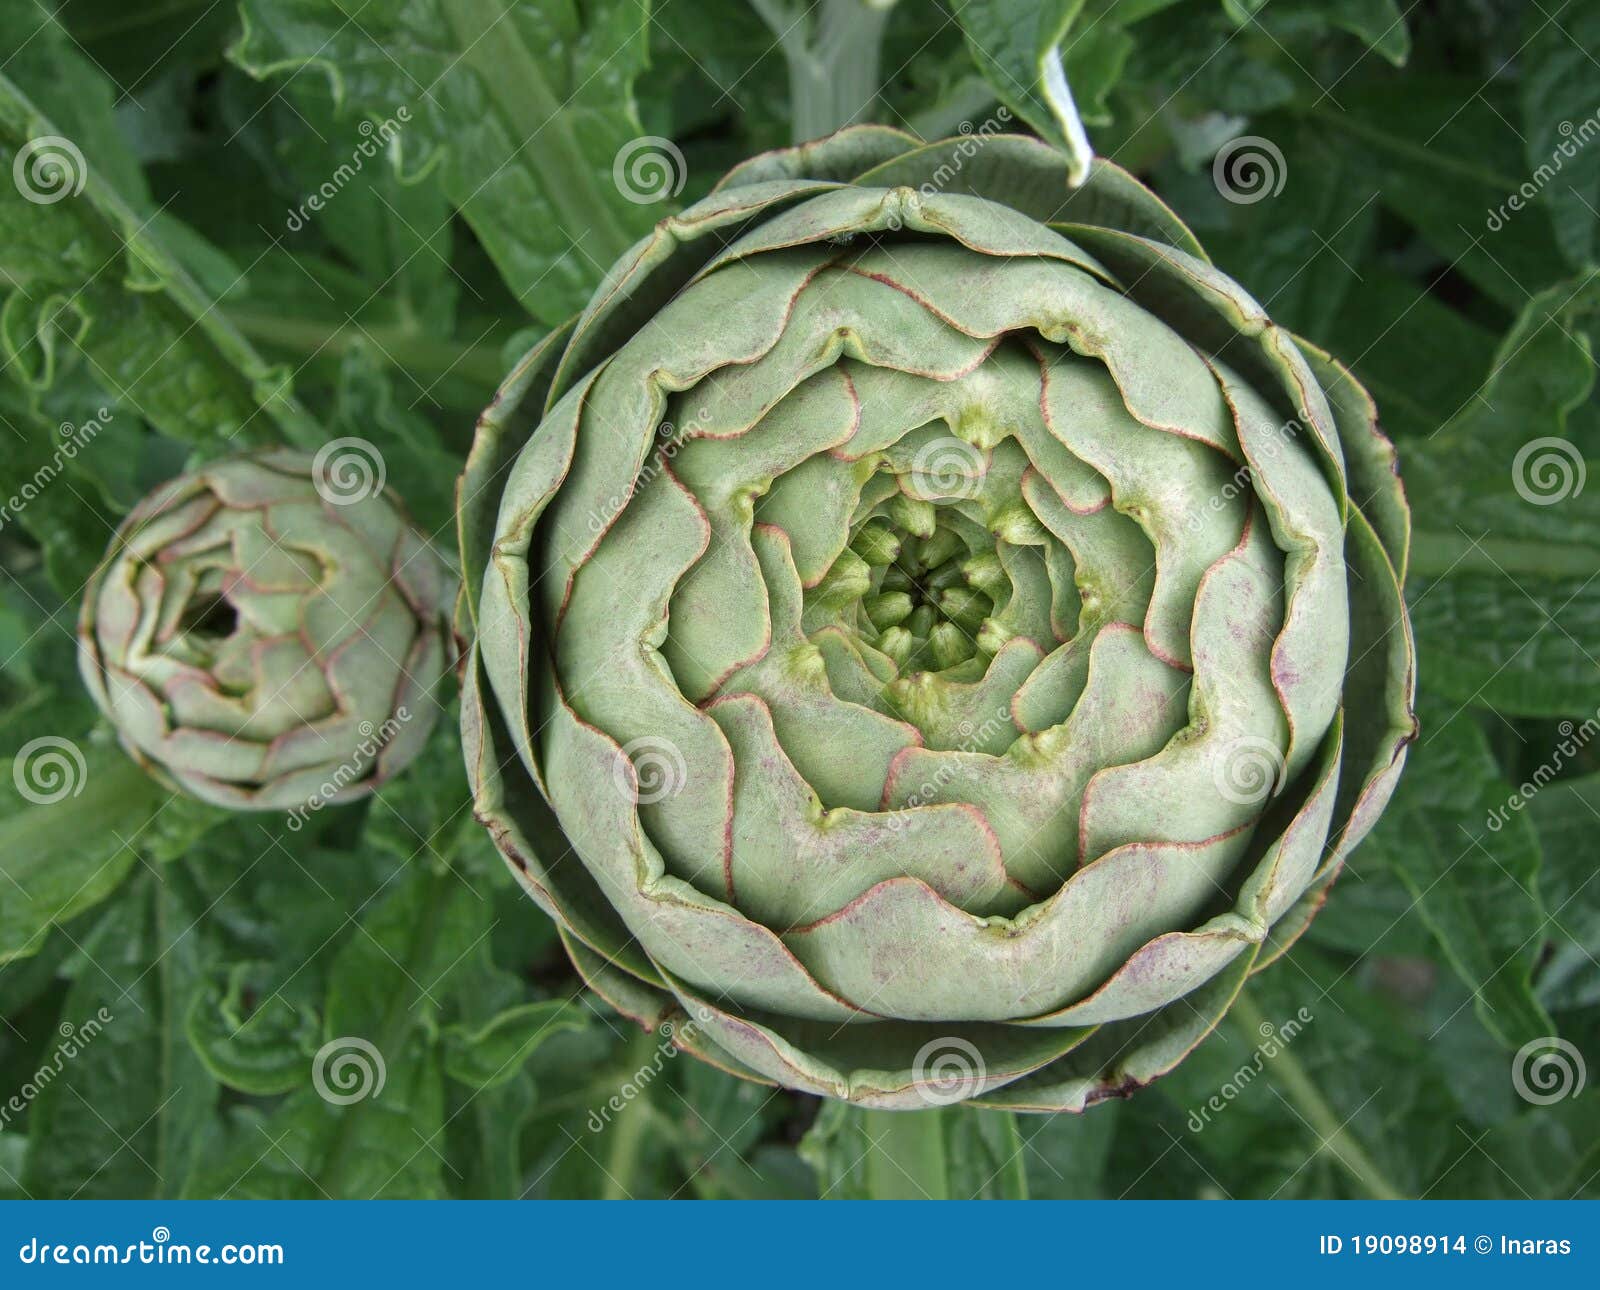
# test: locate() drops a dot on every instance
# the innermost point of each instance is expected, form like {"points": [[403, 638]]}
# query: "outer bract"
{"points": [[258, 646], [933, 629]]}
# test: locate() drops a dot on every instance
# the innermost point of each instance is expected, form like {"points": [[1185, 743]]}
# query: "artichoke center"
{"points": [[916, 591], [209, 619]]}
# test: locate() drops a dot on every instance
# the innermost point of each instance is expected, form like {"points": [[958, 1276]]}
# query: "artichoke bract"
{"points": [[258, 646], [933, 629]]}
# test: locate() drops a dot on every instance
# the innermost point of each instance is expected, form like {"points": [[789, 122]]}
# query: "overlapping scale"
{"points": [[262, 647], [898, 626]]}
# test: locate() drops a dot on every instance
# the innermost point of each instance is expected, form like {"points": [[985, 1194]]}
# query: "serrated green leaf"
{"points": [[1420, 359], [1381, 24], [372, 1123], [1566, 814], [1296, 250], [1561, 119], [386, 1145], [1503, 596], [1475, 880], [52, 866], [522, 109], [1446, 159], [489, 1055], [121, 1116], [251, 1036], [87, 268]]}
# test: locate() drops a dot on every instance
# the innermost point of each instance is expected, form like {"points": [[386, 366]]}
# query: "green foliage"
{"points": [[1435, 228]]}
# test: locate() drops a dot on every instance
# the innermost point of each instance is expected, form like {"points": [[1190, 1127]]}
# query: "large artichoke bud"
{"points": [[933, 629], [264, 635]]}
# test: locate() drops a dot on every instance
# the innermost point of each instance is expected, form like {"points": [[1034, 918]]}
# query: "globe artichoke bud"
{"points": [[933, 629], [265, 635]]}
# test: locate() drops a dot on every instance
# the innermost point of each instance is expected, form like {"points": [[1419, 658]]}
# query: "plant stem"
{"points": [[627, 1130], [1307, 1098], [906, 1160], [1435, 554], [517, 85], [833, 64], [1013, 1177], [426, 358]]}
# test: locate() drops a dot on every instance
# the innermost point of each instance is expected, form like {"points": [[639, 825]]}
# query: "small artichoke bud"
{"points": [[260, 646]]}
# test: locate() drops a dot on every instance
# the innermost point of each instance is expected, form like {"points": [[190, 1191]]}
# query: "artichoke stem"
{"points": [[1285, 1070], [906, 1160], [628, 1129], [832, 57]]}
